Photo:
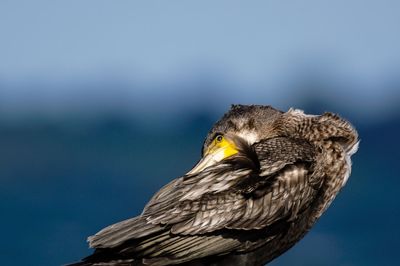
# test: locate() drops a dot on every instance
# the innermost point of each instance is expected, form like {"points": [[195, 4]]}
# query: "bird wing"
{"points": [[194, 214], [243, 198]]}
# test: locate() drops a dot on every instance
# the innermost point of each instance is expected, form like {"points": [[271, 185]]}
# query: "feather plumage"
{"points": [[247, 208]]}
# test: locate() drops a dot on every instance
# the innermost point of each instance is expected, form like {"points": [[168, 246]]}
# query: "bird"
{"points": [[264, 178]]}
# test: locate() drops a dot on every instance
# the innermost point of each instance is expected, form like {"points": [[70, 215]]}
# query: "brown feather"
{"points": [[250, 207]]}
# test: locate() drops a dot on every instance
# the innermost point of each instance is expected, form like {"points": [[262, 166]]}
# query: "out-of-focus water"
{"points": [[62, 180]]}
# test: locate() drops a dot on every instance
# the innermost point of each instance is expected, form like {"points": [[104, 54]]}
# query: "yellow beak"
{"points": [[216, 152]]}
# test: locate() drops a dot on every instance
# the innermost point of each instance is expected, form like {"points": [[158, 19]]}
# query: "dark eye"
{"points": [[219, 138]]}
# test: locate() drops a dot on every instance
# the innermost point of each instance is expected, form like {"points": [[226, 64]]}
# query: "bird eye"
{"points": [[219, 138]]}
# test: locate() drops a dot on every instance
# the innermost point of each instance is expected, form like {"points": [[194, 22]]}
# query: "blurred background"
{"points": [[103, 102]]}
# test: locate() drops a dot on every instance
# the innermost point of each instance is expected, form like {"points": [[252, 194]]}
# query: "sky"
{"points": [[55, 54]]}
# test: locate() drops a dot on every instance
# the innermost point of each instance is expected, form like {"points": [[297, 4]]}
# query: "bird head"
{"points": [[234, 134]]}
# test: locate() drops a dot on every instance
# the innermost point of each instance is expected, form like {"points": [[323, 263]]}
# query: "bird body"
{"points": [[264, 178]]}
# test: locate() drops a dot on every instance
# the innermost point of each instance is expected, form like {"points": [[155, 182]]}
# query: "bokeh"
{"points": [[103, 102]]}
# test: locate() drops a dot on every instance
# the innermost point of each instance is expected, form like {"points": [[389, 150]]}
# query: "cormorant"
{"points": [[264, 178]]}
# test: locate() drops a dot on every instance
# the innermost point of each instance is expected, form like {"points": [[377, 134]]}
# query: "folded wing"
{"points": [[221, 209]]}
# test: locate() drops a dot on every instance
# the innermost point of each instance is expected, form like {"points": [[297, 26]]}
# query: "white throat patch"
{"points": [[250, 136]]}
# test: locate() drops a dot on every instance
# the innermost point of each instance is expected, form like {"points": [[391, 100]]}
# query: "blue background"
{"points": [[103, 102]]}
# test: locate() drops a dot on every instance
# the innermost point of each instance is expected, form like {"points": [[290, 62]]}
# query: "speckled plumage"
{"points": [[247, 209]]}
